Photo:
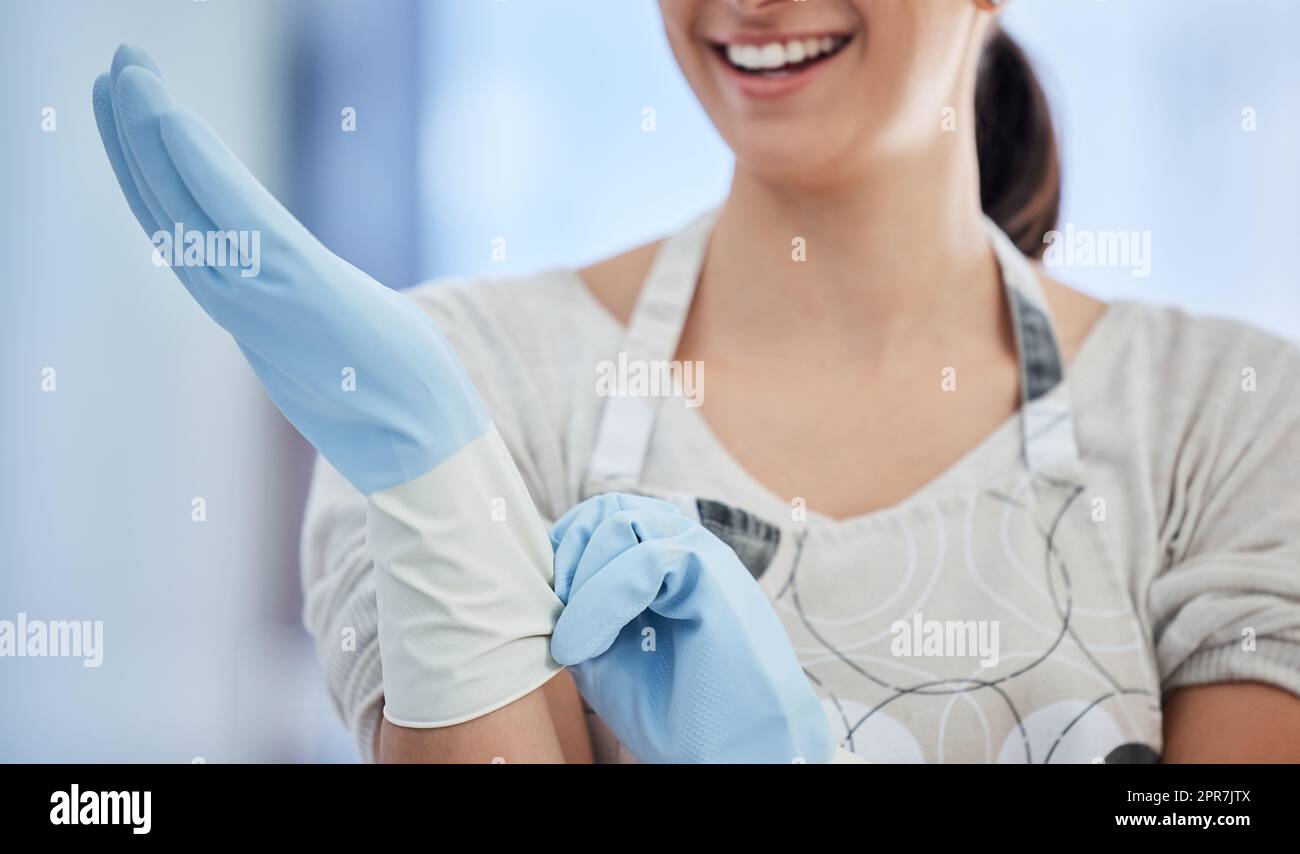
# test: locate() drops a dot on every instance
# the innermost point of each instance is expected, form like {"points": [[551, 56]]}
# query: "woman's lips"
{"points": [[769, 66]]}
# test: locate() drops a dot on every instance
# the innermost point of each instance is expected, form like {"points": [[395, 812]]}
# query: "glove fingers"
{"points": [[127, 55], [121, 63], [594, 509], [144, 99], [222, 185], [138, 98], [595, 537], [614, 535], [121, 160], [103, 102], [571, 534], [611, 598]]}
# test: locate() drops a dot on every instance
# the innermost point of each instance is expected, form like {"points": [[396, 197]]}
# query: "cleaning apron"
{"points": [[980, 620]]}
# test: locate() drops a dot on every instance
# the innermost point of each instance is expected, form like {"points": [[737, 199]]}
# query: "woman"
{"points": [[1107, 494], [998, 520]]}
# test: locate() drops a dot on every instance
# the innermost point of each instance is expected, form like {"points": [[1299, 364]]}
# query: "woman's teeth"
{"points": [[778, 56]]}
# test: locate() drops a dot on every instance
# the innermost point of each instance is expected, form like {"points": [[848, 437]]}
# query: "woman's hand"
{"points": [[464, 567], [361, 371], [674, 644]]}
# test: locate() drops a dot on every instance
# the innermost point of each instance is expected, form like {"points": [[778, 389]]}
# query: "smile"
{"points": [[781, 58]]}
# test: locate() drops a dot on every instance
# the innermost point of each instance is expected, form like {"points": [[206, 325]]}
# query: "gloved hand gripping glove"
{"points": [[673, 643], [465, 602]]}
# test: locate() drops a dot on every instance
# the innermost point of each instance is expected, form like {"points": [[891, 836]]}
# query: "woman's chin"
{"points": [[794, 159]]}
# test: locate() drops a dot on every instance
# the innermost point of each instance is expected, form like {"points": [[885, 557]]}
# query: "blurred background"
{"points": [[475, 120]]}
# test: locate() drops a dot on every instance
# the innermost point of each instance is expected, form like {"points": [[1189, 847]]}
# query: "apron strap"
{"points": [[659, 315], [652, 335], [1046, 413]]}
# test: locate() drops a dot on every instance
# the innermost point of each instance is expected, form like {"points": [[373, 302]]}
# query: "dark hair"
{"points": [[1020, 169]]}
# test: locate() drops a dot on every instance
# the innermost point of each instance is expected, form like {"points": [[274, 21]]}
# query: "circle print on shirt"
{"points": [[878, 738], [1065, 732]]}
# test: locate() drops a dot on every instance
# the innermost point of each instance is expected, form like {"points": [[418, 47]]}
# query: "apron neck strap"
{"points": [[1046, 414], [652, 335], [659, 316]]}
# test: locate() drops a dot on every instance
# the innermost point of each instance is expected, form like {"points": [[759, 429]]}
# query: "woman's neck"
{"points": [[880, 253]]}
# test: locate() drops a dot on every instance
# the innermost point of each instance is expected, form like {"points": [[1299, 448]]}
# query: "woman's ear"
{"points": [[990, 5]]}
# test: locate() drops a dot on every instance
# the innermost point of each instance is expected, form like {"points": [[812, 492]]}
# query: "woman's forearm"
{"points": [[545, 726], [521, 732], [1232, 722], [570, 720]]}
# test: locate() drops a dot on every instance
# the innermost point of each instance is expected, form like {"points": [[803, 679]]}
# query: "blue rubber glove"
{"points": [[466, 607], [673, 643], [307, 314]]}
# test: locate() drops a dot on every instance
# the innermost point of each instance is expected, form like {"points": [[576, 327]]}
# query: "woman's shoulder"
{"points": [[611, 283], [1178, 369], [554, 292], [1170, 336], [1161, 336], [541, 316], [546, 314], [1076, 314], [616, 281]]}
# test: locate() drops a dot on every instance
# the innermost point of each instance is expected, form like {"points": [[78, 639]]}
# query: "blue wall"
{"points": [[1149, 96]]}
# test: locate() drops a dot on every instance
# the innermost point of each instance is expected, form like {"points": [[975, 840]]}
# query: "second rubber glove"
{"points": [[673, 643]]}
